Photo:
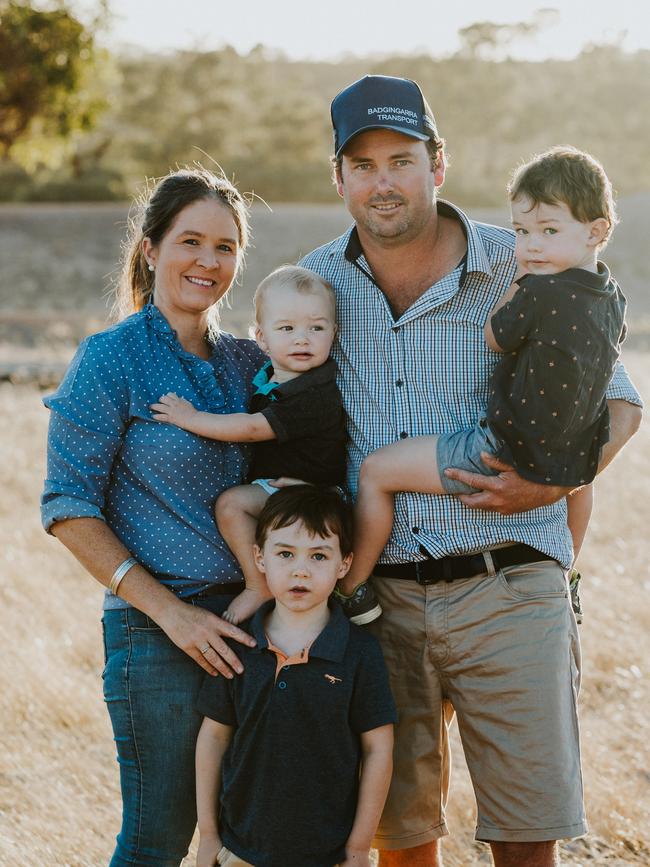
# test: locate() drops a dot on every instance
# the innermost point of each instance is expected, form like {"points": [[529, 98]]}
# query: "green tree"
{"points": [[45, 57]]}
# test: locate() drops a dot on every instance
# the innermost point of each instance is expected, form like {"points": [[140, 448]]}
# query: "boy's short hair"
{"points": [[294, 276], [565, 174], [322, 510]]}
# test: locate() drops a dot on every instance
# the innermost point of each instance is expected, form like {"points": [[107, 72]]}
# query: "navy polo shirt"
{"points": [[290, 776], [560, 335]]}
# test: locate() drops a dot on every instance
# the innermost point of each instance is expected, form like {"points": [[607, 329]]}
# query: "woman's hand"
{"points": [[196, 631], [200, 634]]}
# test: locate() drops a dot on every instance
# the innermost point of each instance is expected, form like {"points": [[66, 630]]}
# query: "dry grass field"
{"points": [[59, 796]]}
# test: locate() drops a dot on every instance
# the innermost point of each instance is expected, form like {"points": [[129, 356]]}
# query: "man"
{"points": [[476, 618]]}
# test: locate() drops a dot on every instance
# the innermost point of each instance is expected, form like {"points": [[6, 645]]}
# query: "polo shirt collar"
{"points": [[598, 282], [476, 258], [314, 378], [330, 644], [262, 379]]}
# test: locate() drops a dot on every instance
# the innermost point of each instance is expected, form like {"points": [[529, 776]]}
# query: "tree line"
{"points": [[79, 123]]}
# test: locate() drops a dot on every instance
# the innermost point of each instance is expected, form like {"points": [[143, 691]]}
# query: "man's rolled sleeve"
{"points": [[622, 388], [89, 411]]}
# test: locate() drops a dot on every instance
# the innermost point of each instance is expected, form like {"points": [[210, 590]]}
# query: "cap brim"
{"points": [[410, 134]]}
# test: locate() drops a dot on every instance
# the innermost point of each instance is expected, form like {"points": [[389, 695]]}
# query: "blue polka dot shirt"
{"points": [[154, 484]]}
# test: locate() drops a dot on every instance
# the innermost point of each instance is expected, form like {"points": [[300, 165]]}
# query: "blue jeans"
{"points": [[151, 688]]}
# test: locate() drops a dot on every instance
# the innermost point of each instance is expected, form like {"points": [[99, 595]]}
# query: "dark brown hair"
{"points": [[155, 211], [569, 176], [322, 510]]}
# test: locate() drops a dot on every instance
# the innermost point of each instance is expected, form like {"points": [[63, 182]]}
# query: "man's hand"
{"points": [[506, 493], [173, 409]]}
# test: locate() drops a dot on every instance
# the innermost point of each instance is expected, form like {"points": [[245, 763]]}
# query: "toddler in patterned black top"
{"points": [[558, 329]]}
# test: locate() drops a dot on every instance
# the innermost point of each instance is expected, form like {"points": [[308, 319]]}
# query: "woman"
{"points": [[133, 499]]}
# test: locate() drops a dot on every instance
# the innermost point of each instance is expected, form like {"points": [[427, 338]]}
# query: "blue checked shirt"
{"points": [[428, 373]]}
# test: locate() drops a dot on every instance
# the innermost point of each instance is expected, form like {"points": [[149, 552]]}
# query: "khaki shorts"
{"points": [[500, 650]]}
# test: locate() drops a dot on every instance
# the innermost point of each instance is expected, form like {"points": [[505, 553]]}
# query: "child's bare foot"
{"points": [[245, 605]]}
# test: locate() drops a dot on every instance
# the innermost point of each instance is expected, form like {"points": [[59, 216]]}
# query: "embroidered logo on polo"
{"points": [[332, 679]]}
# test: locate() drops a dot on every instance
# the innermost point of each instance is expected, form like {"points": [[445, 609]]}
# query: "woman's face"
{"points": [[196, 261]]}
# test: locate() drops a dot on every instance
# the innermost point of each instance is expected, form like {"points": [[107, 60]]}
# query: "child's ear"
{"points": [[259, 558], [259, 339], [598, 232], [344, 566]]}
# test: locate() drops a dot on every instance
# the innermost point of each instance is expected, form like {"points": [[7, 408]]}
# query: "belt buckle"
{"points": [[422, 579]]}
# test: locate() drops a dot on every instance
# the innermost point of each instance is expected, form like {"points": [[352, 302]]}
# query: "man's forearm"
{"points": [[508, 493], [624, 422]]}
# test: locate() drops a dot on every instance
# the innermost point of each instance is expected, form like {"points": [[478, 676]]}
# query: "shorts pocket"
{"points": [[541, 580]]}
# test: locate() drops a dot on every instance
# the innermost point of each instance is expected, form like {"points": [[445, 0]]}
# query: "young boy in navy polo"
{"points": [[294, 756]]}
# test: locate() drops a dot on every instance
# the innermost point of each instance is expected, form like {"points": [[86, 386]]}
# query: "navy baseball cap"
{"points": [[381, 102]]}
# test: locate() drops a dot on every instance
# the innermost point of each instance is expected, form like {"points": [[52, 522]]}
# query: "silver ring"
{"points": [[205, 649]]}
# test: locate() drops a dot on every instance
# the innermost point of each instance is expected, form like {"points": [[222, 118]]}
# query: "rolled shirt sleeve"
{"points": [[89, 412], [621, 387]]}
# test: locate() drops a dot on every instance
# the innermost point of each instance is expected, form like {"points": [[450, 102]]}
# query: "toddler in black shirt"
{"points": [[296, 420]]}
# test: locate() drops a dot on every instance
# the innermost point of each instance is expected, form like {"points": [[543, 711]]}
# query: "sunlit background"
{"points": [[307, 30], [97, 96]]}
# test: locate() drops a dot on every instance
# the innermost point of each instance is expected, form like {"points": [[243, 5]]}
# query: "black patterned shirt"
{"points": [[561, 336]]}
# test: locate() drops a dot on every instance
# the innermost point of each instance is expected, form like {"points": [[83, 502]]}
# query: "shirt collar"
{"points": [[476, 258], [262, 379], [598, 282], [313, 378], [330, 644]]}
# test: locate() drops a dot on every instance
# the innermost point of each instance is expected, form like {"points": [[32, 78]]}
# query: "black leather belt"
{"points": [[232, 589], [452, 568]]}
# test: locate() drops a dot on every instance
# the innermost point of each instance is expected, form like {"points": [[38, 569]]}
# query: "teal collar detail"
{"points": [[262, 380]]}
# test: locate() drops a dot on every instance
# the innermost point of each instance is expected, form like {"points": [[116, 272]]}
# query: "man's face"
{"points": [[388, 185]]}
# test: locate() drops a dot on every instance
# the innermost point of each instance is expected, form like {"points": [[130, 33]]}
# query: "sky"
{"points": [[331, 28]]}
